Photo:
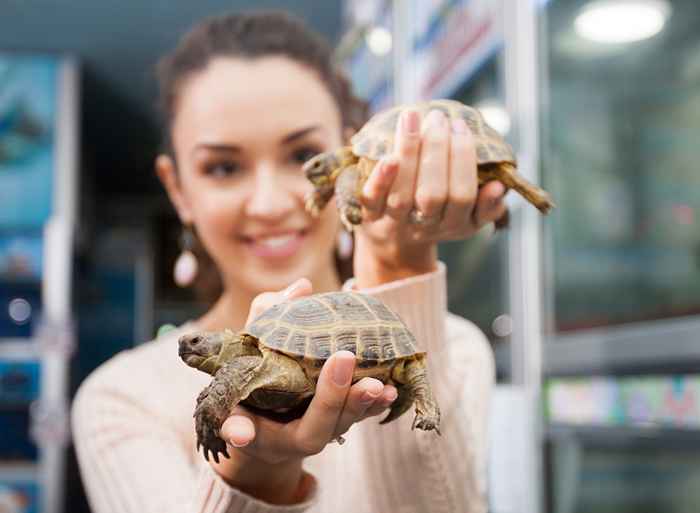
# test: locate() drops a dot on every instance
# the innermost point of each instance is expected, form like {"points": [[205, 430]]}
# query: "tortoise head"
{"points": [[196, 348], [319, 168]]}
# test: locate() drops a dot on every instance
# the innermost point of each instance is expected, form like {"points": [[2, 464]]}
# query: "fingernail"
{"points": [[391, 396], [236, 444], [436, 119], [292, 288], [411, 122], [367, 398], [459, 126], [342, 371]]}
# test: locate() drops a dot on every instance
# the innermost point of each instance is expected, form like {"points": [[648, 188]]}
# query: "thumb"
{"points": [[299, 288]]}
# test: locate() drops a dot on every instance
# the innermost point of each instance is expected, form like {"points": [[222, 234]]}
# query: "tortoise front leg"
{"points": [[285, 385], [322, 171], [231, 385], [348, 189]]}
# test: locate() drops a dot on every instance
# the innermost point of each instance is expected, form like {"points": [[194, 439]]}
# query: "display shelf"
{"points": [[37, 219]]}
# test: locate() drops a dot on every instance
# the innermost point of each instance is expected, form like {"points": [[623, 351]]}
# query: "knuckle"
{"points": [[462, 200], [435, 139], [429, 201], [409, 146], [310, 446], [398, 202]]}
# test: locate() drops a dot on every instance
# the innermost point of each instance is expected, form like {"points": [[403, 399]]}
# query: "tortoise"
{"points": [[273, 364], [345, 171]]}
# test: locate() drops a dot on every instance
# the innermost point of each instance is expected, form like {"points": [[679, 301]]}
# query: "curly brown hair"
{"points": [[250, 36]]}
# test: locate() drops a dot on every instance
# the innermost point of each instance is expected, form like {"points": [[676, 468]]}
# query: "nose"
{"points": [[273, 196]]}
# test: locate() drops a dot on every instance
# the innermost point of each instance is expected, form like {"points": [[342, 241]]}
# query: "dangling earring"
{"points": [[344, 244], [186, 265]]}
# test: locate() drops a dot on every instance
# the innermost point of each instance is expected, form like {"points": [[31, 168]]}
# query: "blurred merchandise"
{"points": [[649, 401], [19, 382], [20, 256], [19, 488], [28, 112]]}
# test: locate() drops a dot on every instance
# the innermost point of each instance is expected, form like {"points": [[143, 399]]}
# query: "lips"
{"points": [[278, 245]]}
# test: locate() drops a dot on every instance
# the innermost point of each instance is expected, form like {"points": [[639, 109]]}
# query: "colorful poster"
{"points": [[28, 88]]}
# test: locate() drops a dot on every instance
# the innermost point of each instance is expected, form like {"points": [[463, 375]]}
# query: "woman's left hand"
{"points": [[426, 192]]}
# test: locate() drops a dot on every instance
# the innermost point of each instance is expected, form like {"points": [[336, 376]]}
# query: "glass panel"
{"points": [[620, 155], [477, 268]]}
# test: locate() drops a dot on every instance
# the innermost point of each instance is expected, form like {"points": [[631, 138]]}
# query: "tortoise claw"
{"points": [[427, 422]]}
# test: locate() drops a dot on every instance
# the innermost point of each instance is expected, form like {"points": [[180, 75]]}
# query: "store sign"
{"points": [[453, 40]]}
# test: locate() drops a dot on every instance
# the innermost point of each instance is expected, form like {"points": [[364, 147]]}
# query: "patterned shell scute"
{"points": [[375, 140], [320, 325]]}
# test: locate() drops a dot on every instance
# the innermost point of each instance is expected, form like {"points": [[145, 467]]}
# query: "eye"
{"points": [[221, 169], [301, 155]]}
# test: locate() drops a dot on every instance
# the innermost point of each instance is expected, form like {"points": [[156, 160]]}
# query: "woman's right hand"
{"points": [[266, 455]]}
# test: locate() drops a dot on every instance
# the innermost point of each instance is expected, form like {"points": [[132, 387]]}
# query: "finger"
{"points": [[361, 397], [433, 168], [301, 287], [490, 205], [389, 395], [463, 178], [377, 187], [317, 426], [400, 199], [238, 430]]}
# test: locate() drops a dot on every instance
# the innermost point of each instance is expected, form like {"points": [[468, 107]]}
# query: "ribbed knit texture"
{"points": [[134, 433]]}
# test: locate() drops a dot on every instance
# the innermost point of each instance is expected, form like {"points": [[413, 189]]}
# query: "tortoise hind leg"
{"points": [[506, 174], [416, 390]]}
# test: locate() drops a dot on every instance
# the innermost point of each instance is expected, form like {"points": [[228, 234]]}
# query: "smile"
{"points": [[276, 246]]}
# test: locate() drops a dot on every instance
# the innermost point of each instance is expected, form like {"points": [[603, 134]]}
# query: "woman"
{"points": [[248, 99]]}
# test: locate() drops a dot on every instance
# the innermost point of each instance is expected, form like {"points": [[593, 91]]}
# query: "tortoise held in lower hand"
{"points": [[345, 171], [274, 363]]}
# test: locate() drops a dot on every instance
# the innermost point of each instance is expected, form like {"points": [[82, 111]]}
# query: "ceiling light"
{"points": [[622, 21], [378, 40]]}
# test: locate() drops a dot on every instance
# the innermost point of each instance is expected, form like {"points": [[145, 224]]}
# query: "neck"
{"points": [[231, 309]]}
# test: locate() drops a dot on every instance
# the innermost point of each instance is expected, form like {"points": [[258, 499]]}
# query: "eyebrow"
{"points": [[232, 148], [298, 134]]}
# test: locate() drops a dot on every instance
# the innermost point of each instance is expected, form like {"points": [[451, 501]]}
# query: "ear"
{"points": [[166, 171]]}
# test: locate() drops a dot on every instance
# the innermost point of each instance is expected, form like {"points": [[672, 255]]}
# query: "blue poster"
{"points": [[28, 88]]}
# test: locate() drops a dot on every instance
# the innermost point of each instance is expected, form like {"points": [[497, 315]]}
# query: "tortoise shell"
{"points": [[376, 138], [315, 327]]}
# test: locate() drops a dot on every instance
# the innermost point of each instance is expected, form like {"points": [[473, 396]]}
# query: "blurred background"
{"points": [[593, 312]]}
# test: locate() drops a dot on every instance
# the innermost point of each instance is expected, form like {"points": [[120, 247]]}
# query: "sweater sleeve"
{"points": [[449, 472], [133, 461]]}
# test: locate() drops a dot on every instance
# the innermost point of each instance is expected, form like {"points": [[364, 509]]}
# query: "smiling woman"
{"points": [[247, 100]]}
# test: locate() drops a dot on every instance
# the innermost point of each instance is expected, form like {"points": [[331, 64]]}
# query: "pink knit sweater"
{"points": [[134, 433]]}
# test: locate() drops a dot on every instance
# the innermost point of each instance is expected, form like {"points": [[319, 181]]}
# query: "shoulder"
{"points": [[137, 377]]}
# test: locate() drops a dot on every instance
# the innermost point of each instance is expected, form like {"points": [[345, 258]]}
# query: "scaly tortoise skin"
{"points": [[344, 172], [273, 364]]}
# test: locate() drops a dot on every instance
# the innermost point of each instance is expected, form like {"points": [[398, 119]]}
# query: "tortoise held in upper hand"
{"points": [[274, 363], [345, 171]]}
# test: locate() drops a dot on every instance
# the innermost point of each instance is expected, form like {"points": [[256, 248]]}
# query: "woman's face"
{"points": [[242, 130]]}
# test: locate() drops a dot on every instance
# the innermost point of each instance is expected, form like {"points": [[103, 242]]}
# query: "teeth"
{"points": [[276, 242]]}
